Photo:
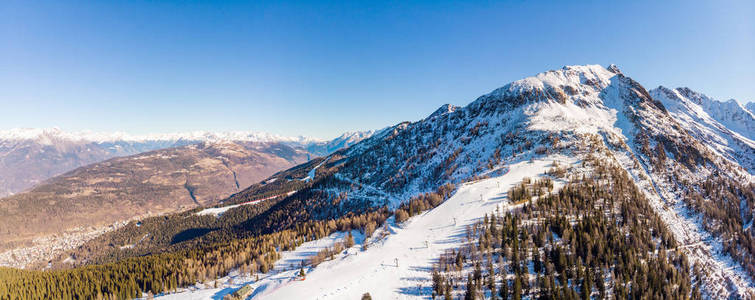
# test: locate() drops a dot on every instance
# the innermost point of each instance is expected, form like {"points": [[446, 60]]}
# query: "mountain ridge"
{"points": [[110, 137], [704, 201], [726, 126], [30, 156], [554, 112]]}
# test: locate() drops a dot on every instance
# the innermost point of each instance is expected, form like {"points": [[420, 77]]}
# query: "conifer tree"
{"points": [[504, 292], [517, 287], [349, 240], [471, 293]]}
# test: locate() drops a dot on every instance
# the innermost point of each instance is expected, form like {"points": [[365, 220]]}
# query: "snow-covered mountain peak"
{"points": [[573, 82], [50, 135], [574, 111], [615, 69], [583, 98], [442, 110], [730, 105], [44, 136], [726, 127], [352, 136], [730, 114], [566, 76]]}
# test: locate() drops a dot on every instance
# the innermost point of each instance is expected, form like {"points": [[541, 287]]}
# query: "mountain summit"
{"points": [[579, 112]]}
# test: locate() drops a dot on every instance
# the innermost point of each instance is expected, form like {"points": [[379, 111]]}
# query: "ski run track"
{"points": [[396, 266]]}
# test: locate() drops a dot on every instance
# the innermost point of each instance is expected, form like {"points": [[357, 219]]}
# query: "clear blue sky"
{"points": [[320, 68]]}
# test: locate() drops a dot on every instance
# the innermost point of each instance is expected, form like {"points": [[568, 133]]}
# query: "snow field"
{"points": [[415, 245]]}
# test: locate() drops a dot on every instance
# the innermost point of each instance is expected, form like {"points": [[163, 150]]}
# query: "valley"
{"points": [[68, 210]]}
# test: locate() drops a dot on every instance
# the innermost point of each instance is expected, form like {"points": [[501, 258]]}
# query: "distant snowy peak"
{"points": [[750, 106], [729, 113], [725, 127], [42, 135], [444, 109], [343, 141], [52, 135], [354, 136]]}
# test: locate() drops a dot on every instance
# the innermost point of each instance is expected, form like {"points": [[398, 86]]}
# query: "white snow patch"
{"points": [[219, 211], [311, 173]]}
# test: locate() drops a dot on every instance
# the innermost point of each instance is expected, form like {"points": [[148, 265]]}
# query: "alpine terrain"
{"points": [[29, 156], [189, 170], [573, 183]]}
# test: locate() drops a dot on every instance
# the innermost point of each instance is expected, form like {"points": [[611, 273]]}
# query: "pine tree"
{"points": [[517, 287], [504, 292], [437, 282], [477, 273], [349, 240], [586, 285], [448, 290], [491, 276], [471, 293]]}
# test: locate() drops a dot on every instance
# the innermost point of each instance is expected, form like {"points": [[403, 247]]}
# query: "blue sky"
{"points": [[321, 68]]}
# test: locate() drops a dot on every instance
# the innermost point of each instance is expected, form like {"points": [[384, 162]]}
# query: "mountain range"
{"points": [[78, 184], [28, 156], [578, 175]]}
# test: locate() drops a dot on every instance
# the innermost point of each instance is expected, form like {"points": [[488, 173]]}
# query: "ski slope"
{"points": [[356, 271], [283, 273], [375, 271], [218, 211]]}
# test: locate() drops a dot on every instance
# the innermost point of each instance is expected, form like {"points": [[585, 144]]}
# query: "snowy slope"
{"points": [[554, 112], [218, 211], [727, 127], [559, 113], [282, 275], [415, 244]]}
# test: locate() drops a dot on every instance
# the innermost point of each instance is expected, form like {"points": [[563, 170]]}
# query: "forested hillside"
{"points": [[598, 234]]}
